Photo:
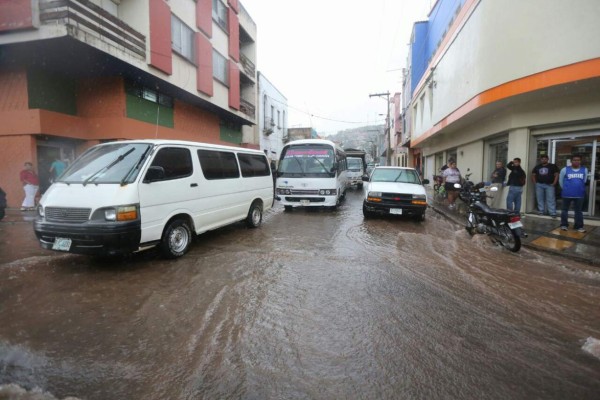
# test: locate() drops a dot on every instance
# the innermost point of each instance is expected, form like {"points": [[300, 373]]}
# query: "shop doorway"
{"points": [[560, 150]]}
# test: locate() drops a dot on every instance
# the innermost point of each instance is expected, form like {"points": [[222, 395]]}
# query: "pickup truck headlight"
{"points": [[374, 196], [419, 199]]}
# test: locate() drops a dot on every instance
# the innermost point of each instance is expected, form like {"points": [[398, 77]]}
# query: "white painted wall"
{"points": [[272, 143], [506, 40]]}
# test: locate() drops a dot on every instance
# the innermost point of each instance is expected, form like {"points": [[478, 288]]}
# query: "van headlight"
{"points": [[41, 211], [118, 213]]}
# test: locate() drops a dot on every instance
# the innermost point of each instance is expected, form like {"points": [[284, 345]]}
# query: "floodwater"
{"points": [[314, 304]]}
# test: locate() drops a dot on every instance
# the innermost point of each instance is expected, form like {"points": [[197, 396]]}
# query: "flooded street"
{"points": [[314, 304]]}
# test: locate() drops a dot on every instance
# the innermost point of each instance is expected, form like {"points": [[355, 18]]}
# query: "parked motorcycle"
{"points": [[504, 227]]}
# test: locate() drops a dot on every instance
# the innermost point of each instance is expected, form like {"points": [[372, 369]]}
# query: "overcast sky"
{"points": [[327, 56]]}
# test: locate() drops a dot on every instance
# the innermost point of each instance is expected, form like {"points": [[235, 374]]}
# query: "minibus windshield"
{"points": [[308, 160], [111, 163]]}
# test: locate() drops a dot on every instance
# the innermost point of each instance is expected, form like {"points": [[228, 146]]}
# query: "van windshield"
{"points": [[109, 163], [308, 160]]}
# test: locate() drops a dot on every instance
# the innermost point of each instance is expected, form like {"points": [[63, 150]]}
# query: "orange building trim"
{"points": [[557, 76]]}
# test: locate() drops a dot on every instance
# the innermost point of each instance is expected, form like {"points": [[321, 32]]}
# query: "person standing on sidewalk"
{"points": [[451, 176], [545, 178], [498, 176], [516, 181], [31, 183], [572, 181]]}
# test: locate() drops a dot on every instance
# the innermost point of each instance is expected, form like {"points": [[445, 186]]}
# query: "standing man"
{"points": [[31, 183], [498, 176], [572, 180], [516, 181], [56, 168], [545, 178]]}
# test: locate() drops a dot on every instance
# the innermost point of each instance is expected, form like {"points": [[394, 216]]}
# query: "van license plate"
{"points": [[61, 244], [515, 225], [396, 211], [305, 202]]}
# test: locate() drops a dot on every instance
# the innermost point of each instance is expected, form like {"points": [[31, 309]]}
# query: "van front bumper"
{"points": [[110, 238]]}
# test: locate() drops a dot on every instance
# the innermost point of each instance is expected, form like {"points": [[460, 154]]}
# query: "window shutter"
{"points": [[161, 56]]}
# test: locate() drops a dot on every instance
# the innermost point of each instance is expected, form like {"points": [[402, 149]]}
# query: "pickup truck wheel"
{"points": [[176, 239]]}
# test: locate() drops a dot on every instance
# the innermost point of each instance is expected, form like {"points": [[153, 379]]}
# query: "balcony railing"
{"points": [[249, 67], [94, 20], [248, 108]]}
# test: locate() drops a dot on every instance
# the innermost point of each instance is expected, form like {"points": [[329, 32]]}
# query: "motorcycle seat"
{"points": [[494, 211]]}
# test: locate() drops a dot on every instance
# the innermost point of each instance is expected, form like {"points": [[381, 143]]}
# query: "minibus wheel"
{"points": [[176, 239], [254, 217]]}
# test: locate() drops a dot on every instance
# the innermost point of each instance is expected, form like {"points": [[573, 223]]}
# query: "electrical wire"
{"points": [[321, 117]]}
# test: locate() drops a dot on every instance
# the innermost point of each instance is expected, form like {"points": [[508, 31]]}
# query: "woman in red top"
{"points": [[31, 184]]}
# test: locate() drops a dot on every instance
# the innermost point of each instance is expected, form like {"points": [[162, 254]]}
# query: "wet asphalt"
{"points": [[315, 304]]}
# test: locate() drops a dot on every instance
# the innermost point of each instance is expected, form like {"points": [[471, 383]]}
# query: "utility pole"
{"points": [[387, 125]]}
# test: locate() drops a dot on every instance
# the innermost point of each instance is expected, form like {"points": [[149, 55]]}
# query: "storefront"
{"points": [[561, 147]]}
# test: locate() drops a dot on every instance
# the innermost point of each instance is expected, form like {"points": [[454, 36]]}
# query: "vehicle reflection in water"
{"points": [[314, 304]]}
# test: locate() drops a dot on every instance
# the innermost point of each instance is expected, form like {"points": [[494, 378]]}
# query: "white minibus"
{"points": [[126, 196], [311, 173]]}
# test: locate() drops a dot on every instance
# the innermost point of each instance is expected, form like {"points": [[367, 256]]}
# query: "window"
{"points": [[272, 122], [278, 119], [220, 68], [218, 164], [253, 165], [182, 39], [148, 94], [219, 14], [498, 151], [176, 162]]}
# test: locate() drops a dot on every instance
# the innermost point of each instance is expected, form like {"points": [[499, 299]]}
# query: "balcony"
{"points": [[248, 66], [87, 21], [248, 108]]}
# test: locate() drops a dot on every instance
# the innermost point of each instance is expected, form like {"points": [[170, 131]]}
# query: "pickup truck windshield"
{"points": [[354, 164], [110, 163]]}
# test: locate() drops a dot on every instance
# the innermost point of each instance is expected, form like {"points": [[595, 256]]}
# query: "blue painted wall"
{"points": [[427, 36]]}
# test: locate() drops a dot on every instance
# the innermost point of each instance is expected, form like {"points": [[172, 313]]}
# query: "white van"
{"points": [[311, 173], [126, 196]]}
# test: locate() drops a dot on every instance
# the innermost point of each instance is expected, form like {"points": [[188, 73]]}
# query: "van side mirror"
{"points": [[334, 167], [425, 181], [365, 178], [154, 174]]}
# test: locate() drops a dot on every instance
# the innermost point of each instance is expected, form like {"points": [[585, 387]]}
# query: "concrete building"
{"points": [[493, 80], [272, 118], [74, 73]]}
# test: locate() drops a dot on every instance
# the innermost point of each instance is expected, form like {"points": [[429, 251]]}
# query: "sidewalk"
{"points": [[544, 233]]}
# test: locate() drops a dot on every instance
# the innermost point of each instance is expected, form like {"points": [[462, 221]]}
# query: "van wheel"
{"points": [[176, 240], [254, 217]]}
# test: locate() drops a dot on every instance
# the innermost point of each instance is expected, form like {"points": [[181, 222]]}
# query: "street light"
{"points": [[387, 125]]}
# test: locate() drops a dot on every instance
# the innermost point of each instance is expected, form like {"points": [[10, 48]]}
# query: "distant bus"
{"points": [[311, 173]]}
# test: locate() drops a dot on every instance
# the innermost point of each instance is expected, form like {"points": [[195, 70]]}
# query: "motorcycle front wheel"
{"points": [[509, 238]]}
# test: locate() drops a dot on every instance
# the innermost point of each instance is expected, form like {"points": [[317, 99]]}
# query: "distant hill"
{"points": [[359, 138]]}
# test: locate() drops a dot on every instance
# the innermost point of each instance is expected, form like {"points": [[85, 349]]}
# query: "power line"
{"points": [[321, 117]]}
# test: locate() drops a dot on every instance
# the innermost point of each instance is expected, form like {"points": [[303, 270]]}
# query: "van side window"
{"points": [[218, 164], [176, 161], [253, 165]]}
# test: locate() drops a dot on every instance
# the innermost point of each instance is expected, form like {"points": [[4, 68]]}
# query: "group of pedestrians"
{"points": [[546, 177]]}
